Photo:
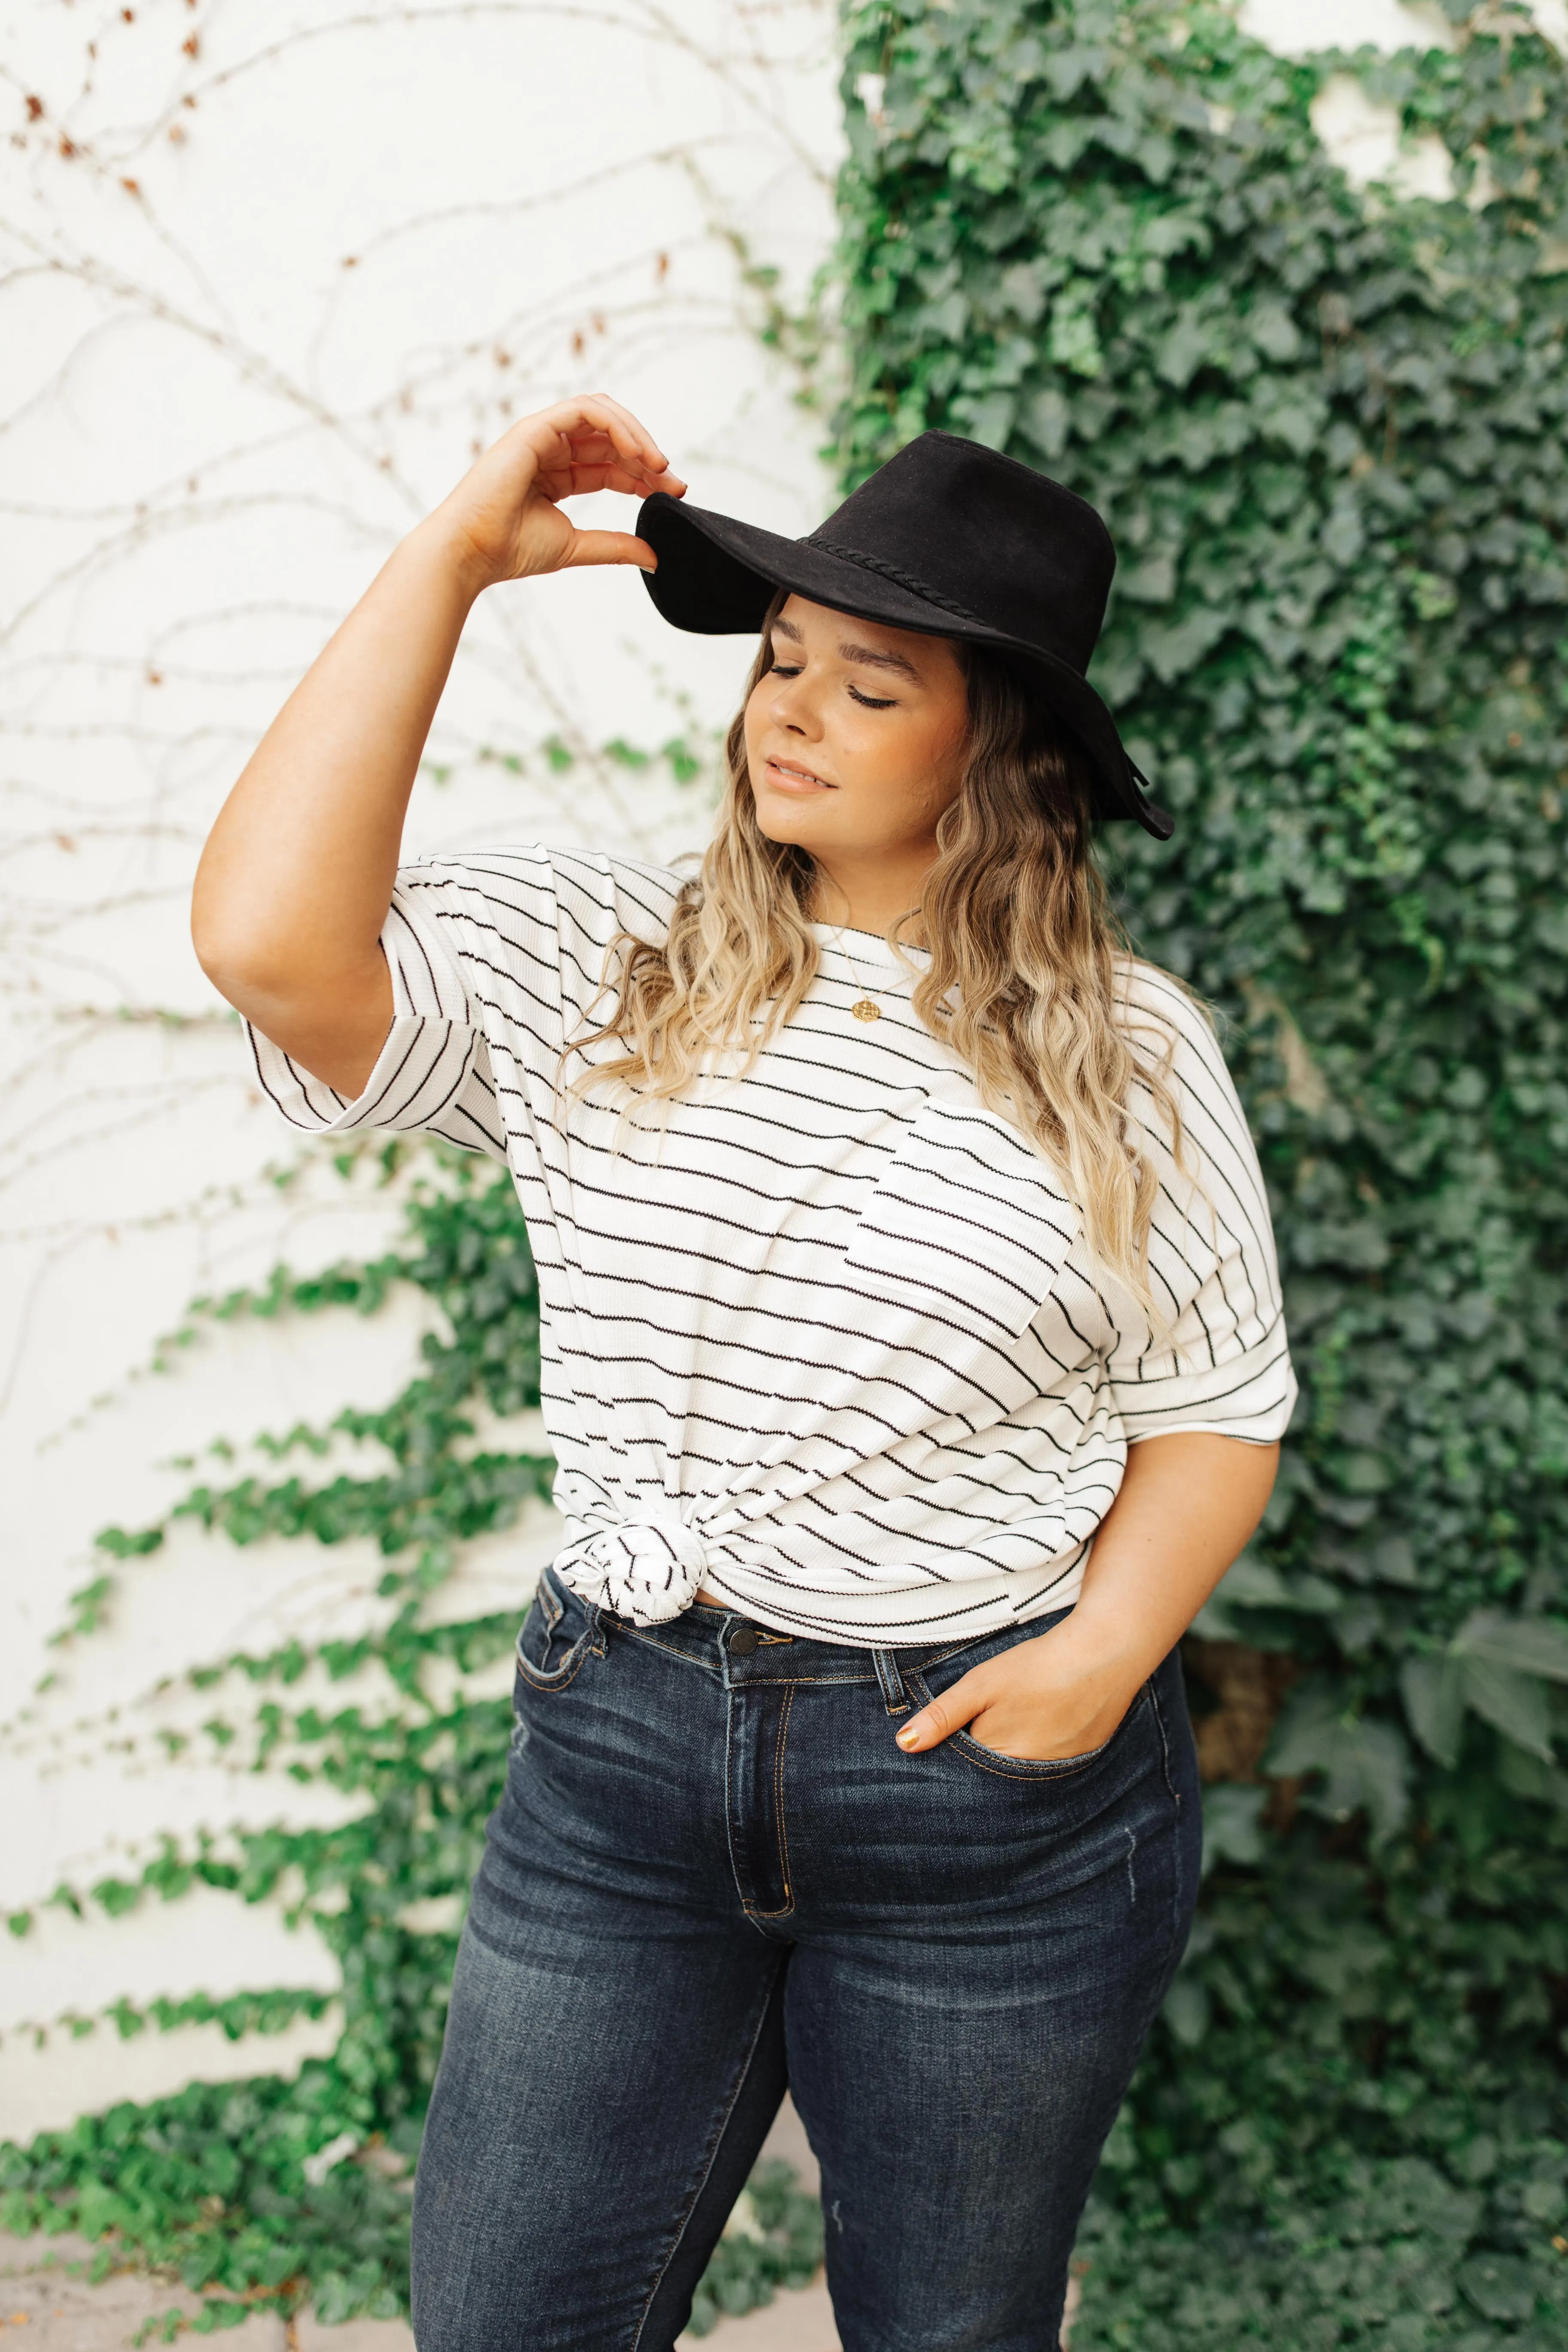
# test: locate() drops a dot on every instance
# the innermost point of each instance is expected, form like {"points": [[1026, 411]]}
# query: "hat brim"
{"points": [[717, 578]]}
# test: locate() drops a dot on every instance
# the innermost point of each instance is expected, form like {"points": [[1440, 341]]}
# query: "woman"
{"points": [[914, 1358]]}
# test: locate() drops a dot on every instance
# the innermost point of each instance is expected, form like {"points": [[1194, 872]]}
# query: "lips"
{"points": [[790, 776]]}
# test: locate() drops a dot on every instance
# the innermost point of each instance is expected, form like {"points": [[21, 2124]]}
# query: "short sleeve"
{"points": [[433, 1074], [1218, 1359]]}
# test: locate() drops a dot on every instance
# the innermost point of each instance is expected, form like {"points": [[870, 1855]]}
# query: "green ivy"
{"points": [[224, 2186], [1327, 431]]}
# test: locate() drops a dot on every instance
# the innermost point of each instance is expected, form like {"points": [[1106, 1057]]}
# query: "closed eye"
{"points": [[867, 701]]}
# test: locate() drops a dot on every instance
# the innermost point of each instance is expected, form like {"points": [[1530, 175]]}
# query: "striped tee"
{"points": [[825, 1338]]}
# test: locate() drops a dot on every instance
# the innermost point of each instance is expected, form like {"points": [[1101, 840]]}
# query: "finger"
{"points": [[947, 1714], [638, 436], [561, 438], [597, 448], [580, 481], [630, 435], [589, 447], [610, 547]]}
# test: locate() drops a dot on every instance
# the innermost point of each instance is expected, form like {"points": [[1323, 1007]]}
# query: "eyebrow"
{"points": [[867, 656]]}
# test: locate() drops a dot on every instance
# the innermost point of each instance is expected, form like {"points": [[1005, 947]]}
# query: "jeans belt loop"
{"points": [[892, 1683]]}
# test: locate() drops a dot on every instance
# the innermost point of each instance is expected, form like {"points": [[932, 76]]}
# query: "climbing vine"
{"points": [[268, 2190], [1327, 430]]}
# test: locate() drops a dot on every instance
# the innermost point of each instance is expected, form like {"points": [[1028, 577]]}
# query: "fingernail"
{"points": [[907, 1736]]}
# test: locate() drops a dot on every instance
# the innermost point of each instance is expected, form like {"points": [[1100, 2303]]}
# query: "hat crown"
{"points": [[1000, 542]]}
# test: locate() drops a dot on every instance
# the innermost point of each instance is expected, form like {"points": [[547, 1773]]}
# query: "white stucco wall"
{"points": [[230, 388], [243, 346]]}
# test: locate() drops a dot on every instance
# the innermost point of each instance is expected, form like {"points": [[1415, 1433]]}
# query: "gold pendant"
{"points": [[866, 1009]]}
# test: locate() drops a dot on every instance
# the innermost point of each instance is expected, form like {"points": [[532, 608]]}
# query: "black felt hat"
{"points": [[948, 536]]}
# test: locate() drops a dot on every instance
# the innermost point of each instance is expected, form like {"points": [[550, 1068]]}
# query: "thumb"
{"points": [[947, 1714], [610, 547]]}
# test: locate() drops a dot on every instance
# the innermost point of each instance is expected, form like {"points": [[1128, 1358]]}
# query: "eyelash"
{"points": [[867, 701]]}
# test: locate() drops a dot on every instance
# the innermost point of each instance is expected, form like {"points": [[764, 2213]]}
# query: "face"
{"points": [[854, 743]]}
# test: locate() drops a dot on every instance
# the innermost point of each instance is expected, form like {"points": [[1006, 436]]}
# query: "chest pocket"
{"points": [[967, 1226]]}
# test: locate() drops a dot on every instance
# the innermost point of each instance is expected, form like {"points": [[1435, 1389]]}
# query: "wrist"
{"points": [[1100, 1651], [442, 546]]}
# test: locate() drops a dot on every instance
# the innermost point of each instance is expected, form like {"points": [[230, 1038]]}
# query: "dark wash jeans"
{"points": [[713, 1872]]}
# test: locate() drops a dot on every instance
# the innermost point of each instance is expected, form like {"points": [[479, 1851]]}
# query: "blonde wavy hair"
{"points": [[1022, 983]]}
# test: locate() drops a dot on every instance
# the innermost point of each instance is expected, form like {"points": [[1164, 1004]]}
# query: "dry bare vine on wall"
{"points": [[161, 596], [254, 310]]}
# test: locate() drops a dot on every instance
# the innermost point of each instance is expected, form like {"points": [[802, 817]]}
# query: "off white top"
{"points": [[825, 1338]]}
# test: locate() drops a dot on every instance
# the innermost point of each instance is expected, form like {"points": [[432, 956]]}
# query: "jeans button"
{"points": [[744, 1640]]}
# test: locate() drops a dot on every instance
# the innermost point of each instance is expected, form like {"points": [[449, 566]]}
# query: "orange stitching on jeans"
{"points": [[988, 1760], [778, 1797], [560, 1680], [670, 1649], [976, 1754], [788, 1904], [787, 1682]]}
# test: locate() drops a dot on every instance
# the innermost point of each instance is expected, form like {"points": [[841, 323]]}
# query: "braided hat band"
{"points": [[900, 578]]}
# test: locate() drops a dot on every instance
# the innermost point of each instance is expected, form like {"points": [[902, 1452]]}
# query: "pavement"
{"points": [[43, 2308], [48, 2305]]}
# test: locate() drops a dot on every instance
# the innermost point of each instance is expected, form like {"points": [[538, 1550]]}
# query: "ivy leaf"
{"points": [[1232, 1828], [1526, 1645], [1365, 1761], [990, 419], [1153, 582], [1072, 339], [1187, 2010], [1047, 421], [1343, 536], [1501, 2287], [1174, 650], [1294, 419], [1433, 1695], [1515, 1703], [1022, 288], [1274, 331], [1182, 350], [1256, 1583], [1068, 70]]}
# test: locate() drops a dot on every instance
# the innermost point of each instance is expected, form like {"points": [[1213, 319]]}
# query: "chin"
{"points": [[793, 825]]}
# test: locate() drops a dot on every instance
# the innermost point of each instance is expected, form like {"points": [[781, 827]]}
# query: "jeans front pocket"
{"points": [[558, 1633], [1035, 1767]]}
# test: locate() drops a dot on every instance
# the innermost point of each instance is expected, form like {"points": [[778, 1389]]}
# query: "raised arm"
{"points": [[297, 875]]}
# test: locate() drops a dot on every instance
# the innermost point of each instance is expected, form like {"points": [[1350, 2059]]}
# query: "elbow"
{"points": [[265, 979], [238, 967], [215, 928], [253, 963], [212, 945]]}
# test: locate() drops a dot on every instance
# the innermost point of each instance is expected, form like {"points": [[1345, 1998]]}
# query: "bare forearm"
{"points": [[296, 878], [294, 884], [1186, 1507]]}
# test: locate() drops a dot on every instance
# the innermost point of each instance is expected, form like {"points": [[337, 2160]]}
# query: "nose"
{"points": [[793, 709]]}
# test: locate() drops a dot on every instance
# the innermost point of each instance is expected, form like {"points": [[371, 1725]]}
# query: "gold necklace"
{"points": [[863, 1009]]}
